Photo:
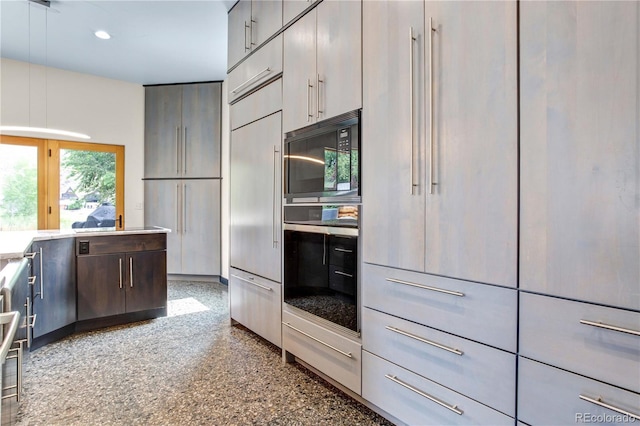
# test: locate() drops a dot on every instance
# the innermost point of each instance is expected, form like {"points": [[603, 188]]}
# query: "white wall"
{"points": [[110, 111]]}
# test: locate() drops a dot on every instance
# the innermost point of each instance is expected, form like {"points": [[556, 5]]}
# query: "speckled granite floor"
{"points": [[186, 369]]}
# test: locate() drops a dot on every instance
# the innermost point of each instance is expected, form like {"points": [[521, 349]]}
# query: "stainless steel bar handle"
{"points": [[324, 249], [453, 408], [184, 151], [120, 268], [276, 164], [347, 354], [426, 287], [131, 271], [250, 281], [309, 86], [41, 275], [177, 150], [178, 199], [30, 255], [246, 27], [599, 402], [432, 183], [610, 327], [28, 324], [423, 340], [343, 250], [344, 274], [251, 43], [184, 210], [412, 39], [249, 81], [32, 280], [318, 110]]}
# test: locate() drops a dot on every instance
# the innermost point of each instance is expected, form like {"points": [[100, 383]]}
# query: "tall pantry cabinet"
{"points": [[182, 173], [580, 212]]}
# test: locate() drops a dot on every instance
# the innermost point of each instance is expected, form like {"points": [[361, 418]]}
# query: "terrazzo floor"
{"points": [[189, 368]]}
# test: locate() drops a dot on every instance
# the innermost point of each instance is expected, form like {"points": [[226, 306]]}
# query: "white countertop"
{"points": [[13, 244]]}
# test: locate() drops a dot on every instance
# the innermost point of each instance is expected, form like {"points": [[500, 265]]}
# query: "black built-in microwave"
{"points": [[322, 161]]}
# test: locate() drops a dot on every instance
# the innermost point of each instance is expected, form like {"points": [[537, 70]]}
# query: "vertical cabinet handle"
{"points": [[432, 182], [184, 209], [184, 151], [246, 27], [120, 270], [276, 167], [309, 87], [178, 199], [318, 110], [251, 43], [412, 40], [177, 150], [41, 275], [131, 271]]}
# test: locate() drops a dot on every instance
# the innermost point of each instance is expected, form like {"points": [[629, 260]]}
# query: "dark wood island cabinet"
{"points": [[120, 278]]}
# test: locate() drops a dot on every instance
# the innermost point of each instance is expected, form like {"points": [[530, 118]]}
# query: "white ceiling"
{"points": [[152, 41]]}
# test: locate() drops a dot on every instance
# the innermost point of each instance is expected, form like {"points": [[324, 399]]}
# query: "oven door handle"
{"points": [[325, 230]]}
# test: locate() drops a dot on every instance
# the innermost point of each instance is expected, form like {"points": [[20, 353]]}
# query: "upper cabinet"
{"points": [[182, 131], [322, 64], [440, 125], [251, 23], [579, 151], [293, 8]]}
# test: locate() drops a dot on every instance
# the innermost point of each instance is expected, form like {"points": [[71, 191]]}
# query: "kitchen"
{"points": [[466, 219]]}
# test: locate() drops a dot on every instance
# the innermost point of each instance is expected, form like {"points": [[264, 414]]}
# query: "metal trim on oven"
{"points": [[319, 229]]}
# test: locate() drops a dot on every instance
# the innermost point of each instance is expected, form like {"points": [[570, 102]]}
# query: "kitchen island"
{"points": [[81, 280]]}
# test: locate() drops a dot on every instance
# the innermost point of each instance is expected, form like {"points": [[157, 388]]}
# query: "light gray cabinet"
{"points": [[440, 121], [256, 194], [322, 70], [251, 23], [191, 209], [182, 131], [580, 233], [293, 8]]}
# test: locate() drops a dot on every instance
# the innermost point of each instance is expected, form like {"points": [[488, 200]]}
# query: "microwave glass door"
{"points": [[311, 164]]}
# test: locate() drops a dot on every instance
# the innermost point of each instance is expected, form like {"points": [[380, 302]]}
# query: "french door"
{"points": [[53, 184]]}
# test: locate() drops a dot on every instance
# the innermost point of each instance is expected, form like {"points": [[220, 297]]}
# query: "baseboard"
{"points": [[200, 278]]}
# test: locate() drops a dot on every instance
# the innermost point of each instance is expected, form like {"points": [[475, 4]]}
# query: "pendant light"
{"points": [[41, 131]]}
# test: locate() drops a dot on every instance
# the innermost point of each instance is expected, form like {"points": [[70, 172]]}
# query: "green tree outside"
{"points": [[19, 204], [94, 171]]}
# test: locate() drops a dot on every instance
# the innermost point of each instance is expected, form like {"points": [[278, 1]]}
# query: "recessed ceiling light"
{"points": [[103, 35]]}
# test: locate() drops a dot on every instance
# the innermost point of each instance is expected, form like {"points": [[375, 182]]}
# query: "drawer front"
{"points": [[263, 102], [480, 312], [109, 244], [480, 372], [342, 280], [255, 303], [343, 252], [323, 349], [550, 396], [257, 69], [551, 331], [418, 401]]}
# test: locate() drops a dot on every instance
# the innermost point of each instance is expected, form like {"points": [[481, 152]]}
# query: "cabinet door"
{"points": [[339, 56], [579, 151], [162, 120], [293, 8], [101, 282], [472, 213], [393, 128], [163, 207], [239, 25], [201, 112], [201, 227], [256, 191], [54, 293], [146, 284], [299, 74], [266, 20]]}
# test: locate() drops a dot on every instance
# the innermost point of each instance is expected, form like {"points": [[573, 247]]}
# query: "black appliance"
{"points": [[321, 262], [322, 161]]}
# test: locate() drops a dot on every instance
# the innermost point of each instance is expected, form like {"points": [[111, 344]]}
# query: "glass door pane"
{"points": [[18, 187], [87, 189]]}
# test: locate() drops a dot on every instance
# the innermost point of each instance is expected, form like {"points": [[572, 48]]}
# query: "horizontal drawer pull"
{"points": [[453, 408], [598, 401], [237, 89], [30, 255], [347, 354], [425, 287], [252, 282], [423, 340], [343, 250], [343, 274], [32, 280], [610, 327]]}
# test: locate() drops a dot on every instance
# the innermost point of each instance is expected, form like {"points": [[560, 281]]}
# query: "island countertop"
{"points": [[13, 244]]}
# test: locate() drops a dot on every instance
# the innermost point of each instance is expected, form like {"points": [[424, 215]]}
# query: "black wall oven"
{"points": [[321, 262], [322, 161]]}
